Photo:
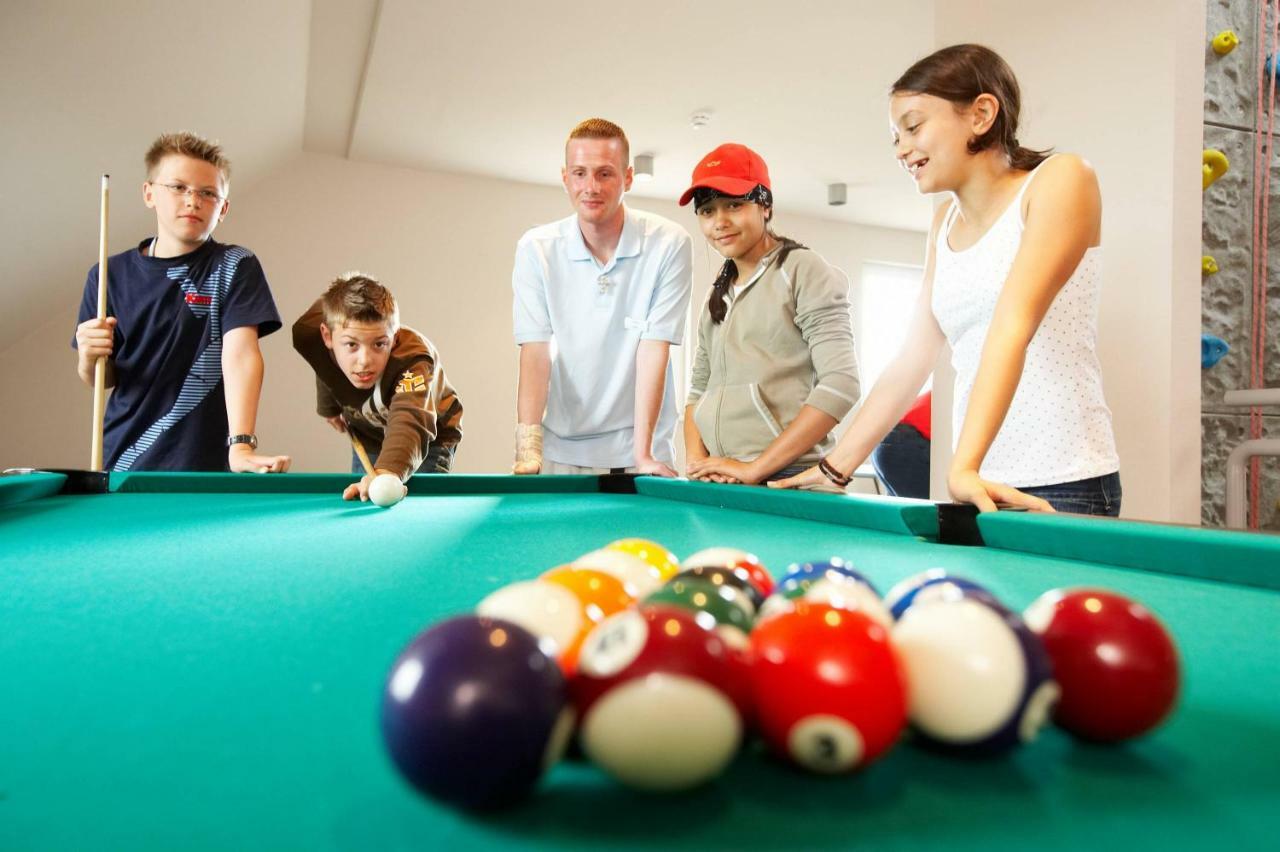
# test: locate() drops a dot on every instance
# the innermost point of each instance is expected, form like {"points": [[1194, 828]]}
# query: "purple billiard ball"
{"points": [[473, 711]]}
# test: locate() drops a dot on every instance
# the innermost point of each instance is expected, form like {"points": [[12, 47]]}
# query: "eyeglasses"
{"points": [[181, 190]]}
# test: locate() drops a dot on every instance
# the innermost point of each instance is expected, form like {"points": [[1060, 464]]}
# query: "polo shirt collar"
{"points": [[629, 244], [632, 240]]}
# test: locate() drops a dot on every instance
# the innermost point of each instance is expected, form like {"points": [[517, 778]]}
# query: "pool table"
{"points": [[196, 661]]}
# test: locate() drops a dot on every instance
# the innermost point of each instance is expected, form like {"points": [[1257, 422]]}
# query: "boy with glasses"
{"points": [[181, 338]]}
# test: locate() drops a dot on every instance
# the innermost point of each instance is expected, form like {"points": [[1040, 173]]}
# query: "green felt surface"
{"points": [[201, 667], [1229, 556], [29, 486]]}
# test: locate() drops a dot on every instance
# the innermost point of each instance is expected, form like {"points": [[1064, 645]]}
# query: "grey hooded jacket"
{"points": [[786, 342]]}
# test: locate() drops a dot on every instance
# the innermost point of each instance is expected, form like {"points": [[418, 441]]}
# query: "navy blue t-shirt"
{"points": [[167, 410]]}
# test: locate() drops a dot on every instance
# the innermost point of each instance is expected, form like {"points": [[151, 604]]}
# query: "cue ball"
{"points": [[386, 489]]}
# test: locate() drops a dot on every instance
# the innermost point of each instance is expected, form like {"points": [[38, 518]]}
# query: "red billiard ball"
{"points": [[661, 699], [1116, 663], [828, 689]]}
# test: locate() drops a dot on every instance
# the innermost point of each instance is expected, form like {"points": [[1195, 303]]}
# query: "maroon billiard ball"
{"points": [[1115, 662], [661, 698]]}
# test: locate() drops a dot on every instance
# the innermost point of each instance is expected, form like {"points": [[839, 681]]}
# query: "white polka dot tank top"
{"points": [[1058, 428]]}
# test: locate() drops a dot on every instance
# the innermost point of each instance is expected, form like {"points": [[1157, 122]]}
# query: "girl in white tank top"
{"points": [[1011, 282]]}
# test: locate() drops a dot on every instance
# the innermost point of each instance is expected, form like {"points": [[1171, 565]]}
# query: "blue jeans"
{"points": [[901, 461], [439, 460], [1097, 496], [789, 470]]}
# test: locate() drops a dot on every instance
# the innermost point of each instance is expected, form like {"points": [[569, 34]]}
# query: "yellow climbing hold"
{"points": [[1215, 165], [1208, 266], [1225, 42]]}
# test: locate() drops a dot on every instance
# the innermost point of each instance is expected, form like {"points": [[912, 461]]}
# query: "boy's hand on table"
{"points": [[241, 458], [360, 490]]}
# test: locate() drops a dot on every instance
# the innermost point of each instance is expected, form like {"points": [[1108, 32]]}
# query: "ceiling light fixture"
{"points": [[644, 167], [837, 194]]}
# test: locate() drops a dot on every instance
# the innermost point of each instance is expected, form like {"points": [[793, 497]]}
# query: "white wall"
{"points": [[444, 245], [1122, 84], [87, 86]]}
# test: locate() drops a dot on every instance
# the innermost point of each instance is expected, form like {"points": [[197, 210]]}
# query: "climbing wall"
{"points": [[1230, 119]]}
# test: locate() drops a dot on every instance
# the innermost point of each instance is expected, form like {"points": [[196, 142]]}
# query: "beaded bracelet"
{"points": [[834, 475]]}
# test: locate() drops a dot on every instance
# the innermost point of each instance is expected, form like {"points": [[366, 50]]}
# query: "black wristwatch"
{"points": [[251, 440]]}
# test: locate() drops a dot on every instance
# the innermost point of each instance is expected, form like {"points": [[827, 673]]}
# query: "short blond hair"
{"points": [[599, 128], [358, 297], [186, 144]]}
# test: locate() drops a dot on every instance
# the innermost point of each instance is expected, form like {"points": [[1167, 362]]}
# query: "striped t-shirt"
{"points": [[167, 410]]}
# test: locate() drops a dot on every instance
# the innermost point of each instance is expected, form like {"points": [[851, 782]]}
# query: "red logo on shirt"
{"points": [[197, 299]]}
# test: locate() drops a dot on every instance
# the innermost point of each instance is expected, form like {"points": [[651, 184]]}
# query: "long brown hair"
{"points": [[959, 74]]}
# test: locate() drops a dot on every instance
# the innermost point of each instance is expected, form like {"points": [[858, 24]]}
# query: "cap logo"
{"points": [[711, 164]]}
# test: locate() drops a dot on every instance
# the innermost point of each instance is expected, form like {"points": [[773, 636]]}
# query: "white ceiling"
{"points": [[480, 88], [493, 89]]}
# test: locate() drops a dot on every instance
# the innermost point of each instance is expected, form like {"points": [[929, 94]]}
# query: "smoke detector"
{"points": [[700, 118]]}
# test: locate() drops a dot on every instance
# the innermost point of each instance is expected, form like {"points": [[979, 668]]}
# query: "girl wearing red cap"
{"points": [[1011, 282], [775, 369]]}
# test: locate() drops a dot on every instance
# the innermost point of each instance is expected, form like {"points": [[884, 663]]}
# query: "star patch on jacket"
{"points": [[410, 382]]}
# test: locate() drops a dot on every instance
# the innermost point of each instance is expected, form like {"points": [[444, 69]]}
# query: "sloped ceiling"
{"points": [[492, 89]]}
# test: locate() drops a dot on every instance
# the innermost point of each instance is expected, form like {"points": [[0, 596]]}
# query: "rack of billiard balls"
{"points": [[660, 669]]}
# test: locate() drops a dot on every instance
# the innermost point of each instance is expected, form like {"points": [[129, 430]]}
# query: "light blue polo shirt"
{"points": [[597, 315]]}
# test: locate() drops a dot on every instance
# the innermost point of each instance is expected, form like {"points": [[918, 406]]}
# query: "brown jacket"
{"points": [[411, 408]]}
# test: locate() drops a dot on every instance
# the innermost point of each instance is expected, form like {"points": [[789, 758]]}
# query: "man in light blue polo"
{"points": [[611, 287]]}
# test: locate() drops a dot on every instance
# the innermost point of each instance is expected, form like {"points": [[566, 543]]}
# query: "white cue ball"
{"points": [[386, 490]]}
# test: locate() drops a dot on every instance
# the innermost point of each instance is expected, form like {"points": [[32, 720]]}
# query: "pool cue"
{"points": [[359, 448], [100, 366]]}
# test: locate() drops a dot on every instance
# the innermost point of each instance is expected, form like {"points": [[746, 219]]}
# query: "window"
{"points": [[887, 296]]}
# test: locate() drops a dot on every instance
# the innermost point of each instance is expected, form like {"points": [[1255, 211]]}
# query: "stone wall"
{"points": [[1230, 89]]}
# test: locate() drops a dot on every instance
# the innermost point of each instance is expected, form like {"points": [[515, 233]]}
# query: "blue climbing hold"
{"points": [[1211, 350]]}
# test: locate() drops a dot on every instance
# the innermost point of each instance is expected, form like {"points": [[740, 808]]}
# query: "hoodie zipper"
{"points": [[724, 336]]}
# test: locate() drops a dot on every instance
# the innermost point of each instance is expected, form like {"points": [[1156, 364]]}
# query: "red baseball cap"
{"points": [[732, 169]]}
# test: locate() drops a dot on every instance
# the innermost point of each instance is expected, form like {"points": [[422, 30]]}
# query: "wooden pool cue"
{"points": [[359, 448], [100, 366]]}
